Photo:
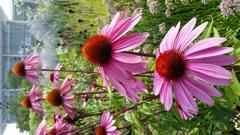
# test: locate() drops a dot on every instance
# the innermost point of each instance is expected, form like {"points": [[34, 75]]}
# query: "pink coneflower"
{"points": [[61, 127], [28, 68], [106, 51], [190, 67], [62, 96], [185, 115], [54, 76], [107, 125], [41, 130], [33, 100]]}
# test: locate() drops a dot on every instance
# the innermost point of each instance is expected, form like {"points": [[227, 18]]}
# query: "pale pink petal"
{"points": [[209, 52], [204, 44], [184, 34], [193, 35], [123, 27], [129, 42], [127, 58], [157, 83]]}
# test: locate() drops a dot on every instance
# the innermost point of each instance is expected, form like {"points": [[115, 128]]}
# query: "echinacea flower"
{"points": [[54, 76], [41, 130], [185, 115], [189, 68], [61, 127], [107, 125], [28, 68], [107, 51], [61, 96], [32, 101]]}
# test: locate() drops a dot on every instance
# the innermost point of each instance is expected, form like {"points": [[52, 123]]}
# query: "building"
{"points": [[15, 41]]}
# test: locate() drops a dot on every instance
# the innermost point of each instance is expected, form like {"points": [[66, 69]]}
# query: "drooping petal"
{"points": [[210, 90], [197, 92], [157, 83]]}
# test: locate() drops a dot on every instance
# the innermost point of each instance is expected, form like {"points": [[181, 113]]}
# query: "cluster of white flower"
{"points": [[236, 121], [230, 7], [153, 6]]}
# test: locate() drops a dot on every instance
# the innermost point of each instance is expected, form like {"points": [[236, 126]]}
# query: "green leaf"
{"points": [[215, 32], [136, 121], [235, 85]]}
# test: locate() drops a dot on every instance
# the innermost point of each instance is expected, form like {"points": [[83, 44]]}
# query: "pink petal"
{"points": [[157, 83], [209, 79], [197, 92], [127, 58], [193, 35], [184, 98], [204, 44], [210, 52], [129, 42], [184, 34], [210, 90], [123, 27], [220, 60], [210, 70]]}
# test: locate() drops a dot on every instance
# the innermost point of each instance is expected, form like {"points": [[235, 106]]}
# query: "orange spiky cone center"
{"points": [[26, 102], [51, 77], [98, 50], [178, 105], [52, 132], [19, 69], [170, 65], [54, 97], [100, 131]]}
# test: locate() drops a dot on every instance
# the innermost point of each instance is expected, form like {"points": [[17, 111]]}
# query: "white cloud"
{"points": [[7, 6], [11, 129]]}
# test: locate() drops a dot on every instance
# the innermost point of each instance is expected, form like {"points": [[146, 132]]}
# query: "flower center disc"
{"points": [[54, 97], [19, 69], [100, 131], [171, 65], [52, 132], [51, 77], [98, 50], [178, 105], [26, 102]]}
